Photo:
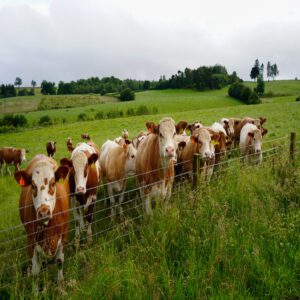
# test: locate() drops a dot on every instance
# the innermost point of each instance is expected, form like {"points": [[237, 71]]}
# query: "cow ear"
{"points": [[236, 122], [194, 139], [150, 126], [264, 131], [225, 122], [181, 126], [262, 120], [54, 143], [181, 145], [66, 162], [191, 128], [93, 158], [61, 173], [23, 178], [156, 129], [251, 134], [215, 136]]}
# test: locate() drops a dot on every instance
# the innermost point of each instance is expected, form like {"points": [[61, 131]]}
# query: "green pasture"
{"points": [[234, 238]]}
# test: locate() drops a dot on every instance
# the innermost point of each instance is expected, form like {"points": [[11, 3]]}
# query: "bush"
{"points": [[99, 115], [253, 98], [82, 117], [298, 99], [130, 112], [114, 114], [127, 95], [48, 88], [142, 110], [243, 93], [45, 121], [23, 92], [260, 85], [31, 92], [5, 129], [13, 121]]}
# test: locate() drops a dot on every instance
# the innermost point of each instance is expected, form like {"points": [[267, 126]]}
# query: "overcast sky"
{"points": [[71, 39]]}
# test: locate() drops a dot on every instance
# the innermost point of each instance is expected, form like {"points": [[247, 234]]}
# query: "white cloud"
{"points": [[71, 39]]}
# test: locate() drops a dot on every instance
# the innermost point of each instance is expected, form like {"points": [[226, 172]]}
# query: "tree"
{"points": [[146, 85], [127, 94], [18, 82], [255, 70], [33, 83], [269, 70], [48, 88], [260, 85], [262, 67], [275, 71]]}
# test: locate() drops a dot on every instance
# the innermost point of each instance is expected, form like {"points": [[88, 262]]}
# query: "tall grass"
{"points": [[235, 237]]}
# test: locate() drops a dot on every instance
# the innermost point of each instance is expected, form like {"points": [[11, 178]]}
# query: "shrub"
{"points": [[23, 92], [45, 121], [82, 117], [127, 95], [130, 112], [31, 92], [260, 85], [7, 128], [114, 114], [253, 98], [142, 110], [244, 93], [155, 110], [99, 115], [14, 121], [298, 99]]}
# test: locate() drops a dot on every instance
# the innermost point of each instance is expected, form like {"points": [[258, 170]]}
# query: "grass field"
{"points": [[236, 238]]}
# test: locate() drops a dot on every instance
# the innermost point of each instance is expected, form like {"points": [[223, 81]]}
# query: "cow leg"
{"points": [[7, 169], [110, 191], [60, 261], [90, 219], [78, 222], [148, 207], [35, 270]]}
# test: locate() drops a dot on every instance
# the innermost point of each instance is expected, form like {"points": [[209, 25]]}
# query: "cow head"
{"points": [[194, 126], [202, 138], [130, 152], [43, 187], [125, 134], [81, 162], [255, 140], [232, 123]]}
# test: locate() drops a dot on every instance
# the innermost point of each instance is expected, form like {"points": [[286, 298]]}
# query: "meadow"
{"points": [[233, 238]]}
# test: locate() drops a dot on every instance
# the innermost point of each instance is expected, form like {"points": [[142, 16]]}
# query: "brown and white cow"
{"points": [[197, 124], [85, 136], [251, 143], [70, 144], [141, 136], [84, 180], [155, 159], [121, 140], [44, 210], [201, 142], [11, 155], [51, 148], [119, 163]]}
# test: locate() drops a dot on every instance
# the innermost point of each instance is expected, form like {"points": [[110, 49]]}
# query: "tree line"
{"points": [[258, 70]]}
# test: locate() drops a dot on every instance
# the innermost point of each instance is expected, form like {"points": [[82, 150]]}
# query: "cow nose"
{"points": [[80, 190], [169, 151], [44, 215], [257, 150], [207, 154]]}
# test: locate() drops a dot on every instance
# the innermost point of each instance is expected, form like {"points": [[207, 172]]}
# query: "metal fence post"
{"points": [[292, 146]]}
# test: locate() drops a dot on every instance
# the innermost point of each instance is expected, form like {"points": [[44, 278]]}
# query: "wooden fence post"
{"points": [[292, 146], [196, 169]]}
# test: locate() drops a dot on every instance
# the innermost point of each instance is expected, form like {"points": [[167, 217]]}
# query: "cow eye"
{"points": [[132, 156]]}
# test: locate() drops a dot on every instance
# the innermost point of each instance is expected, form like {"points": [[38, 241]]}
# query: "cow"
{"points": [[121, 140], [70, 145], [141, 136], [51, 148], [85, 136], [119, 163], [200, 142], [155, 159], [251, 143], [195, 125], [11, 155], [217, 127], [44, 210], [84, 181]]}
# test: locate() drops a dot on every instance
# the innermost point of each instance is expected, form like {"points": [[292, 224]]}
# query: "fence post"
{"points": [[292, 146], [196, 169]]}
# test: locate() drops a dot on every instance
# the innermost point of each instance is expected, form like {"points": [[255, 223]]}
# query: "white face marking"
{"points": [[43, 189], [130, 161], [205, 148], [80, 160], [257, 141], [167, 143]]}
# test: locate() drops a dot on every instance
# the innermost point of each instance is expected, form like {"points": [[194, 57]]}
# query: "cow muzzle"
{"points": [[43, 214], [80, 190], [169, 151]]}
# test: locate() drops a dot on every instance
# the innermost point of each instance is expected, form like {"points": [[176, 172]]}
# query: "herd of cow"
{"points": [[154, 156]]}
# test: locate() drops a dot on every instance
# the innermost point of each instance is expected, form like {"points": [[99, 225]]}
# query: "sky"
{"points": [[72, 39]]}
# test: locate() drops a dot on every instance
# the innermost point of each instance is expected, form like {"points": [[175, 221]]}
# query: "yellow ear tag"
{"points": [[22, 181], [215, 143], [181, 131], [93, 166], [61, 180]]}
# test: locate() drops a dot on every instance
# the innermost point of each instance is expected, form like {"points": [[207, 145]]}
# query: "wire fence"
{"points": [[13, 239]]}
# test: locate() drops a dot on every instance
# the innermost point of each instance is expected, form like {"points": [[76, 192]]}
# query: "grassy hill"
{"points": [[236, 237]]}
